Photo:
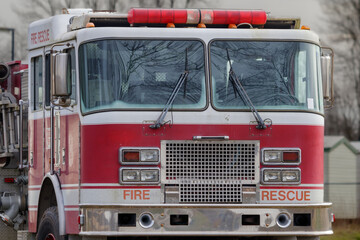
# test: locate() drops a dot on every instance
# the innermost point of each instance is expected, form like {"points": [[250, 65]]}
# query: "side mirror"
{"points": [[60, 79], [327, 72]]}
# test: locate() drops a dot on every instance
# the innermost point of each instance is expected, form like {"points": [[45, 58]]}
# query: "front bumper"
{"points": [[206, 220]]}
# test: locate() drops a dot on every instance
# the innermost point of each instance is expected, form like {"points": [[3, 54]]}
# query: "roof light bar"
{"points": [[196, 16]]}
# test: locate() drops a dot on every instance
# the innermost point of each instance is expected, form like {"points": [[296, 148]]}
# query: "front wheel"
{"points": [[49, 225]]}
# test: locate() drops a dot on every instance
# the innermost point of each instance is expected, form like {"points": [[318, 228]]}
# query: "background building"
{"points": [[341, 177]]}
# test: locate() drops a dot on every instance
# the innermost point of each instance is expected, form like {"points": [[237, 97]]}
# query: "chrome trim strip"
{"points": [[99, 185], [312, 205], [208, 221], [282, 233]]}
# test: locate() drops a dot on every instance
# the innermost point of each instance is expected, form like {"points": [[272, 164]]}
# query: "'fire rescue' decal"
{"points": [[122, 195], [291, 195]]}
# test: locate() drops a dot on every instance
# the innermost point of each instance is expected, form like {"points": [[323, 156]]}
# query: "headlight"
{"points": [[150, 175], [272, 176], [149, 155], [272, 156], [290, 175], [139, 155], [130, 175], [281, 176], [138, 175]]}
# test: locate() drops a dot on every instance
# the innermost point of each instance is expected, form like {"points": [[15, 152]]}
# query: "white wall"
{"points": [[342, 182]]}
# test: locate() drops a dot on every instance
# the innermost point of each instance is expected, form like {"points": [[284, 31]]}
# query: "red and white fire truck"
{"points": [[166, 122]]}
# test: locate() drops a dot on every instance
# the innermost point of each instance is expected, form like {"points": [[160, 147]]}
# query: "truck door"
{"points": [[36, 118]]}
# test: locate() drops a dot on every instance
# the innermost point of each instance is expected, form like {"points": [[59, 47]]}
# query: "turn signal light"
{"points": [[290, 157], [131, 156]]}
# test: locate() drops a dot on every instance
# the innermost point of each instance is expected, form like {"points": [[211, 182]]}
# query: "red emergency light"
{"points": [[9, 180], [196, 16]]}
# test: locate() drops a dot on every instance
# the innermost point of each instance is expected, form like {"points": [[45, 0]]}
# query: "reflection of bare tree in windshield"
{"points": [[267, 70], [141, 72]]}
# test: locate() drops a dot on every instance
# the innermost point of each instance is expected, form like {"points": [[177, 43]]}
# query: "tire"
{"points": [[49, 225]]}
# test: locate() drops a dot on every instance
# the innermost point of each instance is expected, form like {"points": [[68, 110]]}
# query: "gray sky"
{"points": [[6, 14]]}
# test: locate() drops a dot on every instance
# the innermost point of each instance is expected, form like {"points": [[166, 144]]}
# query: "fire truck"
{"points": [[166, 123]]}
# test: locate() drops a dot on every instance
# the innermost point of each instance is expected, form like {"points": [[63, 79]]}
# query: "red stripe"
{"points": [[120, 187], [67, 188], [289, 187], [71, 206], [68, 206]]}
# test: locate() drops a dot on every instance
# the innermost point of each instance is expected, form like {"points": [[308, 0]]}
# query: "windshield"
{"points": [[141, 74], [275, 75]]}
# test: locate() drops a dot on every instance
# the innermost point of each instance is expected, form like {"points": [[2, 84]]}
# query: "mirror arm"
{"points": [[59, 45]]}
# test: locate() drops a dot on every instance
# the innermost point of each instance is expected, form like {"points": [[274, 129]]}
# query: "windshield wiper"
{"points": [[242, 92], [179, 83]]}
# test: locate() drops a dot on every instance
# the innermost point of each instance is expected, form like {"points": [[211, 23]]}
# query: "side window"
{"points": [[71, 74], [37, 74], [300, 68], [47, 80]]}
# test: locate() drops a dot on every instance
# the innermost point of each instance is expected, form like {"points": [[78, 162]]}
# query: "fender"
{"points": [[59, 200]]}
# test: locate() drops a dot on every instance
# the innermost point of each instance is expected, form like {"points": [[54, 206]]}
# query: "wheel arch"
{"points": [[50, 196]]}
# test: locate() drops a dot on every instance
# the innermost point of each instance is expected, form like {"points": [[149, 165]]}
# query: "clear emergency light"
{"points": [[196, 16]]}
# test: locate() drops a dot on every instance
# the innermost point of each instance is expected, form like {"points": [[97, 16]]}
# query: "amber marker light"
{"points": [[170, 25], [303, 27], [90, 25]]}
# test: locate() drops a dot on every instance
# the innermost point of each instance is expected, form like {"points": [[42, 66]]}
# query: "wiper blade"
{"points": [[181, 80], [242, 92], [179, 83]]}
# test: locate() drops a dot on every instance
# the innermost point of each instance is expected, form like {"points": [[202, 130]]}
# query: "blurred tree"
{"points": [[93, 4], [32, 10], [112, 5], [344, 22]]}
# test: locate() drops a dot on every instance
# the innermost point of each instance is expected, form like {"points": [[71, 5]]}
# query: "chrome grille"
{"points": [[210, 193], [210, 171]]}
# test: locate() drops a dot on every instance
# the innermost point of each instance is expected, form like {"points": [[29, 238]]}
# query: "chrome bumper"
{"points": [[206, 220]]}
